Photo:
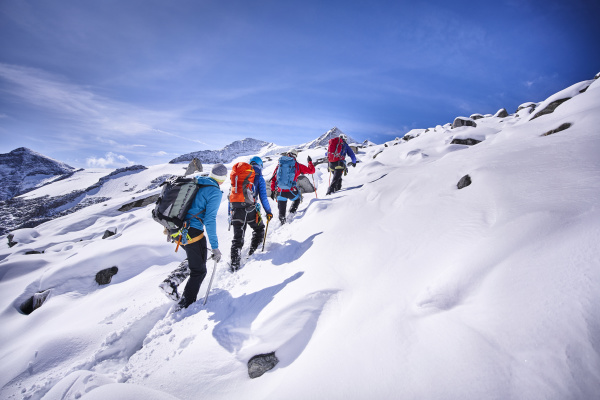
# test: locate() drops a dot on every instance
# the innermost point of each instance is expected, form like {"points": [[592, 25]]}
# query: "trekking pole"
{"points": [[210, 283], [313, 176], [265, 239]]}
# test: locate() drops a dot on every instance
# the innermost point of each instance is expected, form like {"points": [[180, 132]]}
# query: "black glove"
{"points": [[269, 216], [308, 159], [353, 164], [273, 194]]}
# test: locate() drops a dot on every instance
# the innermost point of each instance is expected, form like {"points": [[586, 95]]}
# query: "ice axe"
{"points": [[265, 239], [210, 283]]}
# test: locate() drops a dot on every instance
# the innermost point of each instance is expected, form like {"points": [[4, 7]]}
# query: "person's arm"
{"points": [[351, 153], [262, 192], [213, 201], [307, 170]]}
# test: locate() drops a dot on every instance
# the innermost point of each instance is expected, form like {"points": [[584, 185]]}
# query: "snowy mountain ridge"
{"points": [[459, 263], [23, 170]]}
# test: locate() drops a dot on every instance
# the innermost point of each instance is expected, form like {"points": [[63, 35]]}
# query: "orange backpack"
{"points": [[242, 183]]}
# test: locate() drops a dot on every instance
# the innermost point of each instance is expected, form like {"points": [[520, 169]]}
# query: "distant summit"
{"points": [[23, 170], [323, 140], [227, 154]]}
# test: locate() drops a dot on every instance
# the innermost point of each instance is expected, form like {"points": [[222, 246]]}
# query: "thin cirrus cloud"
{"points": [[78, 104]]}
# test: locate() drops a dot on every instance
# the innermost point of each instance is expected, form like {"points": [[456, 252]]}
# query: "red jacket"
{"points": [[300, 169]]}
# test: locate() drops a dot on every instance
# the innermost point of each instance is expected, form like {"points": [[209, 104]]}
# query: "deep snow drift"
{"points": [[399, 286]]}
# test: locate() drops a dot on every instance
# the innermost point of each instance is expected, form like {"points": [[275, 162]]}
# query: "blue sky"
{"points": [[109, 83]]}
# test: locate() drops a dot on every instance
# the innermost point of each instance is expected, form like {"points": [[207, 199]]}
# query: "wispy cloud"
{"points": [[80, 104], [110, 160]]}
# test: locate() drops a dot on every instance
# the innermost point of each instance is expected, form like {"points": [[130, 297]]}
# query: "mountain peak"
{"points": [[235, 149]]}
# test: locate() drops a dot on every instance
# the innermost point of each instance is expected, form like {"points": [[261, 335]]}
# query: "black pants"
{"points": [[294, 195], [242, 217], [338, 168], [196, 255]]}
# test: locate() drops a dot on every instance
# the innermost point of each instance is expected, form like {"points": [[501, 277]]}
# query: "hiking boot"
{"points": [[282, 220], [251, 251]]}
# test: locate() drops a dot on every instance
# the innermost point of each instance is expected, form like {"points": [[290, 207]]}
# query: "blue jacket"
{"points": [[346, 150], [260, 188], [206, 204]]}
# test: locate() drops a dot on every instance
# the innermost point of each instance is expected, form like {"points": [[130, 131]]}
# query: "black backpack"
{"points": [[175, 200]]}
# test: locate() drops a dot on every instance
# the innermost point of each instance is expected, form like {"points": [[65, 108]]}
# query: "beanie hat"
{"points": [[218, 173]]}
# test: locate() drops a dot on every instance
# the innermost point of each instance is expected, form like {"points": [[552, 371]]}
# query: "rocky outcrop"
{"points": [[549, 108], [466, 142], [562, 127], [261, 363], [34, 302], [461, 121], [502, 113], [139, 203], [476, 116], [194, 166]]}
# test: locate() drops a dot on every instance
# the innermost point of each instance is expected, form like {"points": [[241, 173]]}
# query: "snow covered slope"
{"points": [[400, 285]]}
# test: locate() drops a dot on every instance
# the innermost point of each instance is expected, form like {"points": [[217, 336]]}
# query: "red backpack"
{"points": [[334, 151], [242, 183]]}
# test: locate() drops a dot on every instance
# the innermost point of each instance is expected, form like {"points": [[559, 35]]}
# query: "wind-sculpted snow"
{"points": [[400, 285]]}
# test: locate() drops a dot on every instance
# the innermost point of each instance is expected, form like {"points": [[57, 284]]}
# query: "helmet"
{"points": [[257, 160], [343, 137], [293, 153]]}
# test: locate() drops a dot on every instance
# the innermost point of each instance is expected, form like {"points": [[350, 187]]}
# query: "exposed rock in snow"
{"points": [[462, 121], [464, 182], [35, 301], [105, 276], [562, 127], [468, 141], [109, 233], [261, 363], [476, 116], [502, 113], [550, 108]]}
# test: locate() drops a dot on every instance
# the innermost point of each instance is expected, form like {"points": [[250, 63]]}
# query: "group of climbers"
{"points": [[247, 187]]}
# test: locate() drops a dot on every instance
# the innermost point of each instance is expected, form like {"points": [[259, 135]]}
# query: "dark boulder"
{"points": [[564, 126], [261, 363], [461, 121], [108, 233], [34, 302], [10, 238], [468, 141], [105, 276], [476, 116], [549, 108], [464, 182], [502, 113], [139, 203]]}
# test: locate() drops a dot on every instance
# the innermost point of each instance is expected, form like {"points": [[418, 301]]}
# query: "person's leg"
{"points": [[258, 231], [196, 255], [282, 206], [238, 221]]}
